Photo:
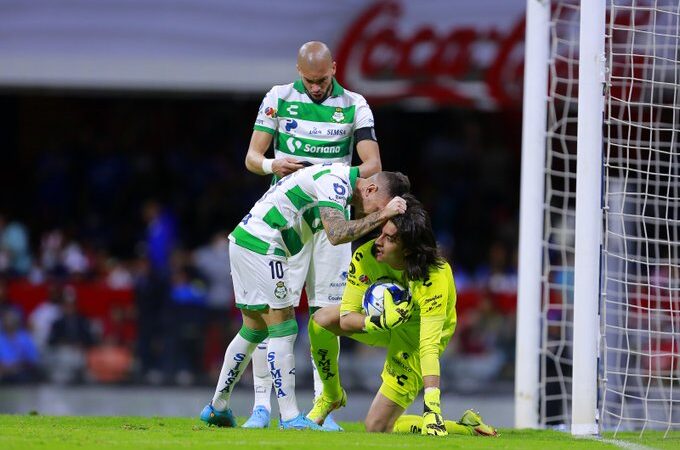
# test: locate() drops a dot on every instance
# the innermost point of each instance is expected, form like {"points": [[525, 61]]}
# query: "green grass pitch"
{"points": [[55, 433]]}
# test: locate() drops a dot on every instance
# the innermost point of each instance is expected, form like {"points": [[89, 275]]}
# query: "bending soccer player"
{"points": [[311, 121], [415, 333], [272, 232]]}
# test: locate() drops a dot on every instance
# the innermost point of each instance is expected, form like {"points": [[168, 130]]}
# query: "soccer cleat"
{"points": [[474, 420], [300, 422], [331, 425], [218, 418], [258, 419], [323, 407]]}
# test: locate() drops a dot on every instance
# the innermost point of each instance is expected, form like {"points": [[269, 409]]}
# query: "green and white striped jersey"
{"points": [[313, 132], [278, 223]]}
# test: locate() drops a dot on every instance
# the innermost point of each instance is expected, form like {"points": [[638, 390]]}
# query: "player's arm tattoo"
{"points": [[340, 230]]}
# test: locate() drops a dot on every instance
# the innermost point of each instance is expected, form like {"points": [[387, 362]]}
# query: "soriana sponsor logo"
{"points": [[476, 65]]}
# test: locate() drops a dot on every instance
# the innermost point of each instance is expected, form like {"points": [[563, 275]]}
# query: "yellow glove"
{"points": [[433, 422], [395, 312]]}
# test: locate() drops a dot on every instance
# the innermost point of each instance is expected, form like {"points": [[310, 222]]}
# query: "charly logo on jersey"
{"points": [[280, 290], [338, 115], [292, 110], [291, 124], [293, 144]]}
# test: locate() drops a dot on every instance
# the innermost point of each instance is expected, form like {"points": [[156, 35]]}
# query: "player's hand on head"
{"points": [[395, 207], [285, 166]]}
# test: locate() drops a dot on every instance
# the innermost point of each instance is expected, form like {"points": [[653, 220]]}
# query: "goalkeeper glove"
{"points": [[433, 422], [395, 312]]}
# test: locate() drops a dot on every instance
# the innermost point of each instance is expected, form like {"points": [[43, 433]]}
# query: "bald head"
{"points": [[316, 68], [314, 55]]}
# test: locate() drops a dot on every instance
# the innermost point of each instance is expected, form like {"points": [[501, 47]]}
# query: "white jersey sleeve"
{"points": [[333, 191], [267, 116], [364, 115]]}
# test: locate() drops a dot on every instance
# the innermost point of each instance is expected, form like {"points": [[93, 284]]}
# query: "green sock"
{"points": [[325, 349], [409, 423]]}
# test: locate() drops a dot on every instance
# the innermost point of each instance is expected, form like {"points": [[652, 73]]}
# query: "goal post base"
{"points": [[584, 429]]}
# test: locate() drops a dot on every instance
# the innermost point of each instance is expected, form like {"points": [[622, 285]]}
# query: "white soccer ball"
{"points": [[374, 298]]}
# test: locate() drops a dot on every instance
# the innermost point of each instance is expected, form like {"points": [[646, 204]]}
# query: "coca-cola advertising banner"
{"points": [[429, 51]]}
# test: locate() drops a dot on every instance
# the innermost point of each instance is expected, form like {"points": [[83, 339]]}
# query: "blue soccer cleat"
{"points": [[330, 424], [258, 419], [218, 418], [299, 423]]}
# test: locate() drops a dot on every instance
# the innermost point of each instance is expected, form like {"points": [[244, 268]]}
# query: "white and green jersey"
{"points": [[309, 131], [277, 225]]}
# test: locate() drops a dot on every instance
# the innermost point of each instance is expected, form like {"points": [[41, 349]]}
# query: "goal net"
{"points": [[640, 288], [639, 295]]}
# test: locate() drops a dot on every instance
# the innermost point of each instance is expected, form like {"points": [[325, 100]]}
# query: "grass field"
{"points": [[47, 432]]}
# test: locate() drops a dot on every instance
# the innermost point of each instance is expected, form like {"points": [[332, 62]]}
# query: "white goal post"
{"points": [[598, 325]]}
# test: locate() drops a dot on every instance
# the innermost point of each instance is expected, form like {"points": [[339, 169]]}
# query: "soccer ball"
{"points": [[375, 295]]}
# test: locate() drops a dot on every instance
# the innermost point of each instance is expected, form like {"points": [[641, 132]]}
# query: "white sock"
{"points": [[282, 368], [262, 379], [236, 359]]}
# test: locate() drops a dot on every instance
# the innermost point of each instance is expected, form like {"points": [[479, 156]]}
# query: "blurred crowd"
{"points": [[136, 206], [179, 314]]}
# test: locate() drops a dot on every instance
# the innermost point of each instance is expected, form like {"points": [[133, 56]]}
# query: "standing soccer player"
{"points": [[415, 332], [273, 231], [311, 121]]}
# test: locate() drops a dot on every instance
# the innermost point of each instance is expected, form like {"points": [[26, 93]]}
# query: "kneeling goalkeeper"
{"points": [[415, 332]]}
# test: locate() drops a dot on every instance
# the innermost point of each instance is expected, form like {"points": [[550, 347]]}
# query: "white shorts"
{"points": [[260, 281], [323, 267]]}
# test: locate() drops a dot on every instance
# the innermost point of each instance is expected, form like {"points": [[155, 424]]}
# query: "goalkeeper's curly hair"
{"points": [[414, 229]]}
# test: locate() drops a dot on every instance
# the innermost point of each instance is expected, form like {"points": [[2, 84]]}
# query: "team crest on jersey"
{"points": [[338, 115], [270, 112], [280, 291], [364, 279]]}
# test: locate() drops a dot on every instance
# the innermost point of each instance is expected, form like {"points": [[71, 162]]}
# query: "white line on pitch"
{"points": [[621, 444]]}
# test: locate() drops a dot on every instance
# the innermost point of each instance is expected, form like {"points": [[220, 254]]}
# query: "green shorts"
{"points": [[401, 375]]}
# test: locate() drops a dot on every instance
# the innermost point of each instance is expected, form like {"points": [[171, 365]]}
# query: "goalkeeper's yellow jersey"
{"points": [[433, 320]]}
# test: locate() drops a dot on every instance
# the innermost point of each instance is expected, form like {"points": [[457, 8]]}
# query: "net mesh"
{"points": [[559, 217], [640, 306], [640, 288]]}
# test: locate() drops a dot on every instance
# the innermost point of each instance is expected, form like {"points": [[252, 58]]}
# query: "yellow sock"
{"points": [[455, 428], [325, 349], [408, 423]]}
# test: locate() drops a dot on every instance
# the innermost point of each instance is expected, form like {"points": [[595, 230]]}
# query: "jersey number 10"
{"points": [[277, 269]]}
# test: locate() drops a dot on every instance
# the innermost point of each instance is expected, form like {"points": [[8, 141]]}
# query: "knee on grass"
{"points": [[377, 425]]}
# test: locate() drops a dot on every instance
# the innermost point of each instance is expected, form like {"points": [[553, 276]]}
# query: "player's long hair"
{"points": [[417, 238]]}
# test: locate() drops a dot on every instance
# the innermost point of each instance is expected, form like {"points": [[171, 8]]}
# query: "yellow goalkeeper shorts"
{"points": [[401, 375]]}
